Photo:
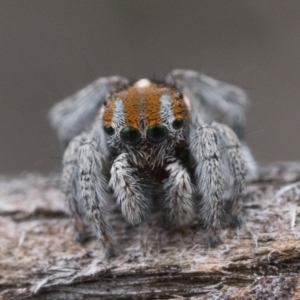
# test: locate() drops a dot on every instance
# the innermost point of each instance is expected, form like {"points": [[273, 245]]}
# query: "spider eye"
{"points": [[177, 123], [130, 136], [109, 130], [157, 133]]}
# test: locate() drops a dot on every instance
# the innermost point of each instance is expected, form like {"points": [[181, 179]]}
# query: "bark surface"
{"points": [[40, 259]]}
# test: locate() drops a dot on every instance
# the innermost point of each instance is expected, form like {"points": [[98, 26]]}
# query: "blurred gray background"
{"points": [[51, 48]]}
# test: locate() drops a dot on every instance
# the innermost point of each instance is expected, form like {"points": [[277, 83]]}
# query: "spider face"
{"points": [[144, 119]]}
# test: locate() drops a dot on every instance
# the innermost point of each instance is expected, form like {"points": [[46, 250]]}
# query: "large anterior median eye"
{"points": [[157, 133], [130, 136]]}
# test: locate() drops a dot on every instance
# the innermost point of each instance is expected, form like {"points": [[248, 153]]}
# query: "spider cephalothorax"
{"points": [[147, 120], [130, 138]]}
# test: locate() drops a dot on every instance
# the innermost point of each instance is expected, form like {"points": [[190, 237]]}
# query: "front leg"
{"points": [[178, 202], [210, 180], [70, 175], [93, 189], [129, 191]]}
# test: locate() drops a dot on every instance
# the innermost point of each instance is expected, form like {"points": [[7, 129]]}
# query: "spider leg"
{"points": [[76, 113], [131, 194], [209, 178], [212, 98], [232, 158], [69, 188], [93, 185], [83, 184], [178, 201]]}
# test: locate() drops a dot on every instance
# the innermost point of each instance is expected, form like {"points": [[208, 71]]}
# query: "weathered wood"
{"points": [[39, 258]]}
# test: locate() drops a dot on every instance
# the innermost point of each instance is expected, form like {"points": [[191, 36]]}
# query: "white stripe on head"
{"points": [[187, 102], [118, 117], [101, 113], [166, 111]]}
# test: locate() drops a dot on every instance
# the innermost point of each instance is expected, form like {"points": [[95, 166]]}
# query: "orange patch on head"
{"points": [[108, 112], [132, 106], [152, 105], [143, 102], [179, 107]]}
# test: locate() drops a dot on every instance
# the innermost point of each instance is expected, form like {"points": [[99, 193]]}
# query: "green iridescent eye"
{"points": [[130, 136], [109, 130], [177, 123], [157, 133]]}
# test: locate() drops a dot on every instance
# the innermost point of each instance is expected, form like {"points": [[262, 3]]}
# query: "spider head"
{"points": [[144, 116]]}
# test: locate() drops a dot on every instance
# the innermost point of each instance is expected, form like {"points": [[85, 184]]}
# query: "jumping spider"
{"points": [[147, 139]]}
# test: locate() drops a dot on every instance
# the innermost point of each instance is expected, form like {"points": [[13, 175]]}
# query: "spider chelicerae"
{"points": [[150, 141]]}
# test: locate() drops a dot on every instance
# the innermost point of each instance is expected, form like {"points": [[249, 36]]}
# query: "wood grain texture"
{"points": [[39, 258]]}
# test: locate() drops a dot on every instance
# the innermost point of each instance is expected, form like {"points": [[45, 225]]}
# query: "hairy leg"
{"points": [[212, 98], [178, 201], [73, 115], [70, 188], [93, 185], [131, 194], [231, 155], [209, 178]]}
